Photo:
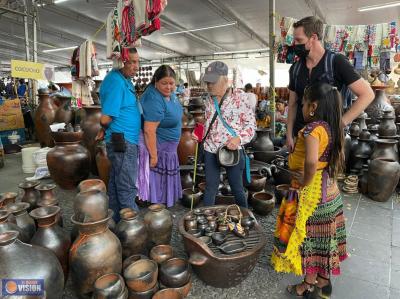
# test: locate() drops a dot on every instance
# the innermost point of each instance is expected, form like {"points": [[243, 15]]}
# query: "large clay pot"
{"points": [[132, 233], [47, 196], [92, 184], [379, 104], [64, 112], [31, 195], [103, 163], [386, 149], [24, 221], [91, 126], [68, 161], [90, 206], [44, 117], [263, 202], [158, 221], [96, 251], [263, 141], [387, 126], [186, 146], [51, 236], [20, 260], [383, 177], [6, 225]]}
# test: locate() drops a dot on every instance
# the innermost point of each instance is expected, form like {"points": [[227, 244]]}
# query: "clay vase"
{"points": [[383, 177], [96, 252], [363, 147], [91, 126], [186, 146], [47, 196], [158, 221], [7, 198], [132, 233], [92, 184], [18, 259], [31, 195], [387, 126], [111, 226], [44, 116], [90, 206], [24, 221], [64, 112], [354, 129], [103, 163], [386, 149], [361, 121], [186, 179], [95, 92], [263, 141], [379, 104], [51, 236], [68, 161], [6, 225]]}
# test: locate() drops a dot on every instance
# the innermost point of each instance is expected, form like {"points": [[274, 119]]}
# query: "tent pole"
{"points": [[272, 62]]}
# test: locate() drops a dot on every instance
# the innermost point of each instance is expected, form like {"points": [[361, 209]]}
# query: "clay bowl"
{"points": [[267, 156], [92, 184], [183, 290], [206, 240], [188, 194], [281, 191], [141, 275], [257, 183], [161, 253], [131, 259], [263, 202], [218, 238], [143, 295], [175, 272], [111, 285], [195, 232], [248, 222], [168, 294]]}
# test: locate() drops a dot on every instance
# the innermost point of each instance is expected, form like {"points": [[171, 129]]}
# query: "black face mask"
{"points": [[301, 51]]}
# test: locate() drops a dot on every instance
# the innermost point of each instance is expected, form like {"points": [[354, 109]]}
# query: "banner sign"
{"points": [[27, 70]]}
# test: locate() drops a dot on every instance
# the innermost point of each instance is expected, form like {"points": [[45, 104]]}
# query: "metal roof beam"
{"points": [[316, 10]]}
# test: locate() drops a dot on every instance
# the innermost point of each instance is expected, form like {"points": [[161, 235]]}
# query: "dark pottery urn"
{"points": [[186, 178], [96, 252], [363, 147], [383, 177], [188, 195], [257, 183], [387, 126], [378, 105], [91, 127], [263, 202], [186, 146], [50, 235], [90, 206], [263, 141], [31, 195], [158, 221], [64, 113], [29, 262], [47, 196], [68, 161], [386, 149], [6, 225], [103, 163], [354, 129], [44, 116], [24, 221]]}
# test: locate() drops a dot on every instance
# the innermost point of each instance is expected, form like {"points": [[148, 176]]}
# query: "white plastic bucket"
{"points": [[28, 165]]}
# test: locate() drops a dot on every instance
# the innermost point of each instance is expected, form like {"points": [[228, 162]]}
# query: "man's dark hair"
{"points": [[132, 50], [186, 85], [311, 25], [248, 87]]}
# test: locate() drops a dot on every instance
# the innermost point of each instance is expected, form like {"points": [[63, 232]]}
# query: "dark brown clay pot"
{"points": [[132, 233], [263, 141], [161, 253], [110, 285], [186, 146], [7, 198], [379, 104], [111, 226], [24, 221], [96, 252], [64, 113], [51, 236], [257, 183], [387, 126], [91, 127], [6, 225], [188, 194], [92, 184], [47, 196], [44, 117], [198, 116], [355, 129], [363, 147], [90, 206], [363, 181], [168, 294], [184, 290], [68, 161], [18, 259], [386, 149], [383, 177], [267, 156], [175, 273], [186, 179], [141, 276], [263, 202], [131, 259], [143, 295], [103, 163], [158, 221], [31, 195]]}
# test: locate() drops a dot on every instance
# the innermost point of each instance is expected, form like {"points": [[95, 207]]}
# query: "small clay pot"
{"points": [[218, 238], [31, 195], [133, 258], [208, 231], [175, 272], [168, 294], [92, 184], [263, 202], [208, 212], [190, 222], [110, 285], [161, 253], [248, 222], [141, 276], [143, 295], [47, 196], [257, 183], [188, 194]]}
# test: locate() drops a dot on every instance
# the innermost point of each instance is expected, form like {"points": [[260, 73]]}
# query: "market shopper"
{"points": [[239, 116], [312, 67], [162, 113], [310, 236], [252, 98], [121, 125]]}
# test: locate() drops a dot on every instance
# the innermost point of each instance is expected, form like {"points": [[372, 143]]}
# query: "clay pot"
{"points": [[190, 222], [24, 221], [103, 163], [44, 116], [361, 121], [379, 104], [7, 198], [47, 196], [161, 253], [354, 129], [143, 295], [158, 221], [19, 260], [198, 116], [131, 259], [90, 206], [92, 184], [263, 142], [387, 126], [263, 202], [91, 127], [188, 194], [96, 251], [111, 226], [141, 276], [64, 112], [386, 149], [31, 195], [363, 146], [383, 177], [257, 183], [68, 161], [363, 181], [168, 294], [175, 272], [132, 233], [110, 285], [186, 179], [6, 225], [186, 146], [267, 156], [51, 236]]}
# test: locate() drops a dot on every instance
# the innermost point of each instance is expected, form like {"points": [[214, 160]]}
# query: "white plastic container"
{"points": [[28, 164]]}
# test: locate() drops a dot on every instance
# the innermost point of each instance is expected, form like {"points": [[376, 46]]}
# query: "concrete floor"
{"points": [[372, 271]]}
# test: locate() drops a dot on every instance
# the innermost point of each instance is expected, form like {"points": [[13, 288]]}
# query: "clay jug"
{"points": [[90, 206], [24, 221], [68, 161], [44, 117], [20, 260], [92, 184], [263, 141], [383, 177], [379, 104], [47, 196], [386, 149], [103, 163], [132, 233], [31, 195], [91, 126], [158, 221], [186, 178], [51, 236], [96, 251], [7, 198], [354, 129], [186, 146], [7, 225], [387, 126], [64, 113]]}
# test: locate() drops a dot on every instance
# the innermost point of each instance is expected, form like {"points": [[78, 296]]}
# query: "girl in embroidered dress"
{"points": [[310, 237]]}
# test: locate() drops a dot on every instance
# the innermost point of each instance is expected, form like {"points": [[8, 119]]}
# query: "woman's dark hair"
{"points": [[329, 109], [162, 72]]}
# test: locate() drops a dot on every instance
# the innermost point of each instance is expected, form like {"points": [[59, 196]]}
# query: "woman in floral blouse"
{"points": [[238, 114]]}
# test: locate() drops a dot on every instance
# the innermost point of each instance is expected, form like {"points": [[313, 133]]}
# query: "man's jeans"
{"points": [[122, 182]]}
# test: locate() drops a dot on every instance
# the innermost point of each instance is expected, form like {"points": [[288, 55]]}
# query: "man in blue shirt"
{"points": [[121, 125]]}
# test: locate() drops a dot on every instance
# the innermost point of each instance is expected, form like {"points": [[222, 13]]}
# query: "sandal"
{"points": [[326, 291], [309, 292]]}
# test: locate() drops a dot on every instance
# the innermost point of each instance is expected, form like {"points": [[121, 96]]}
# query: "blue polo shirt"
{"points": [[168, 112], [118, 100]]}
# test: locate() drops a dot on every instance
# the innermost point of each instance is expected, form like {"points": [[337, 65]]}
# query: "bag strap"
{"points": [[218, 110], [214, 117]]}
